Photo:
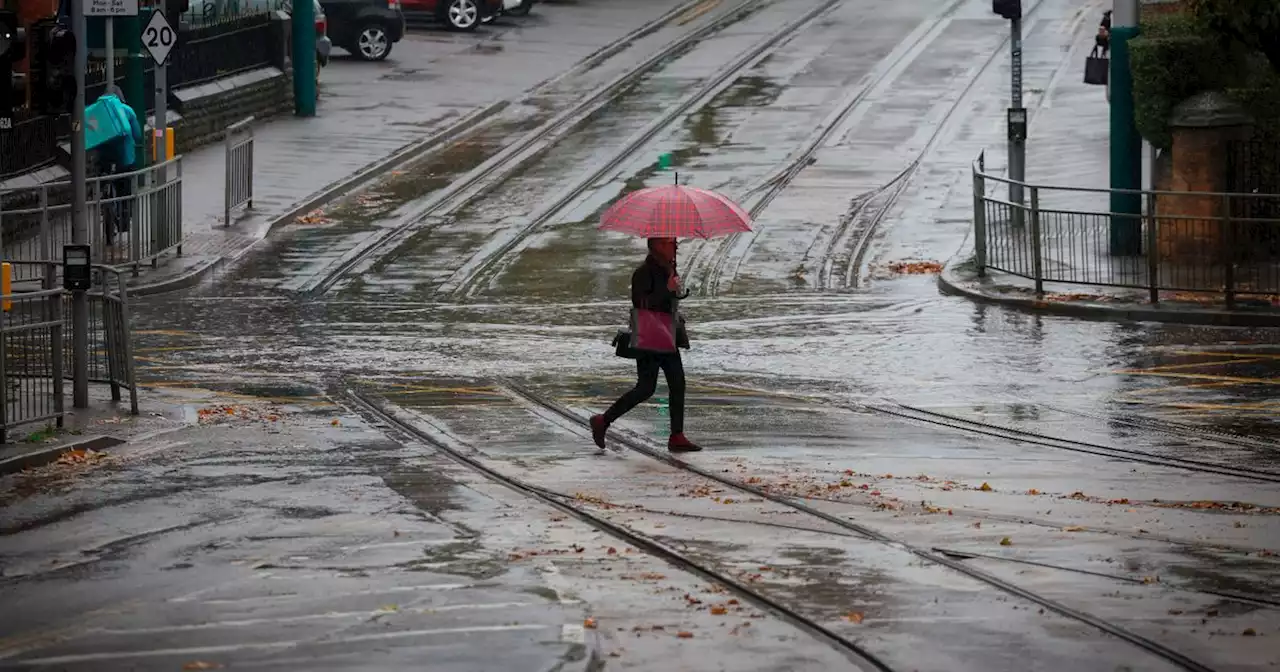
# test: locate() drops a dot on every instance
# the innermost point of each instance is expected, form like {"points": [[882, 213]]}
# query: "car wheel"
{"points": [[522, 9], [462, 14], [372, 42]]}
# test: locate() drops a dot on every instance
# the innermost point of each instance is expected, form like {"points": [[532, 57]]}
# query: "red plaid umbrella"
{"points": [[676, 211]]}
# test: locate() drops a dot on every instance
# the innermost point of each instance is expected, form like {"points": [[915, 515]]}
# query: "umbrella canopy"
{"points": [[676, 211]]}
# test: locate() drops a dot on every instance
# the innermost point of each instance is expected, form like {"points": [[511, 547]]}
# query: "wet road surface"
{"points": [[1129, 472]]}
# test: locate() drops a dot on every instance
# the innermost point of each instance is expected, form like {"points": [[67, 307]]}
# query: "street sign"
{"points": [[111, 8], [159, 38]]}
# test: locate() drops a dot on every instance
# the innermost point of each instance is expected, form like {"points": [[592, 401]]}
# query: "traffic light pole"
{"points": [[79, 224], [1126, 143], [1017, 138]]}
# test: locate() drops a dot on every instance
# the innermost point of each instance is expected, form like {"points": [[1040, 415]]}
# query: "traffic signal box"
{"points": [[51, 70], [1009, 9], [13, 49]]}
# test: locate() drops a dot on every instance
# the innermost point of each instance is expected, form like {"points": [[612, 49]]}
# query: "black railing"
{"points": [[225, 48], [1192, 242], [32, 143], [217, 48]]}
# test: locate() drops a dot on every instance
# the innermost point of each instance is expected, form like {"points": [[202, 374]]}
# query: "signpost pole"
{"points": [[109, 42], [79, 223], [159, 39]]}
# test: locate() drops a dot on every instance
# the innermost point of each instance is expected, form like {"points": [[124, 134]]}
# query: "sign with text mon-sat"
{"points": [[110, 7]]}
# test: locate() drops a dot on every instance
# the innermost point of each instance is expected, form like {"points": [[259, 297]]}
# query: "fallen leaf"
{"points": [[854, 616], [389, 608], [1006, 542], [589, 624], [1033, 491], [1151, 579], [613, 551], [1250, 632], [985, 487], [335, 422], [1073, 528], [684, 634], [201, 665], [719, 610], [733, 602], [1175, 612]]}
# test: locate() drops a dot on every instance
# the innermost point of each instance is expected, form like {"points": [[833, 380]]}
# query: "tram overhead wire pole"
{"points": [[1017, 114]]}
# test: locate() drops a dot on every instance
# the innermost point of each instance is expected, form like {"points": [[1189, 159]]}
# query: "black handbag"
{"points": [[622, 345], [1097, 68]]}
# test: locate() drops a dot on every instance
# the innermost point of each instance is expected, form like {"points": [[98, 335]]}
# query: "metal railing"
{"points": [[31, 356], [36, 346], [132, 218], [31, 144], [239, 159], [1191, 242]]}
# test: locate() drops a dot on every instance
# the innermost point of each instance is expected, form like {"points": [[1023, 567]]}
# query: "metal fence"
{"points": [[31, 356], [224, 48], [1192, 242], [239, 160], [36, 353], [132, 218], [32, 143]]}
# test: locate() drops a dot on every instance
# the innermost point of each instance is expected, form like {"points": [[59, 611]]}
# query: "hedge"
{"points": [[1175, 58]]}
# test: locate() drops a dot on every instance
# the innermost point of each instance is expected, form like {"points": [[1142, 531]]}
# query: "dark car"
{"points": [[454, 14], [366, 28]]}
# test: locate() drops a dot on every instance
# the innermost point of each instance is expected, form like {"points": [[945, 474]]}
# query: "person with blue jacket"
{"points": [[117, 156]]}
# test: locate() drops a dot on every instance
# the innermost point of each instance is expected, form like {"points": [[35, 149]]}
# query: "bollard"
{"points": [[168, 144]]}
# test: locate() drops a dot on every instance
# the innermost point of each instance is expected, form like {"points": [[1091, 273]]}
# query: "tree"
{"points": [[1253, 23]]}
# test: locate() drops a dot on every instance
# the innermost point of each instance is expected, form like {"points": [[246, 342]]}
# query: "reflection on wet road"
{"points": [[1124, 473]]}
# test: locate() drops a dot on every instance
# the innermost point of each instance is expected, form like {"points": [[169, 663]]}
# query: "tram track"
{"points": [[466, 455], [481, 266], [516, 155], [949, 421], [891, 408], [551, 411], [859, 227], [781, 178]]}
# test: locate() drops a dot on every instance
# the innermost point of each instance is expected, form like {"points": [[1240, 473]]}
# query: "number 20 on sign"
{"points": [[159, 38]]}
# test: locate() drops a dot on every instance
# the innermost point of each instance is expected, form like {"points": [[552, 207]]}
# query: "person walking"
{"points": [[656, 287]]}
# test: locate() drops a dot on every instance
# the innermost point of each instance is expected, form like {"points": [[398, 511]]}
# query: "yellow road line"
{"points": [[1197, 365], [1203, 376]]}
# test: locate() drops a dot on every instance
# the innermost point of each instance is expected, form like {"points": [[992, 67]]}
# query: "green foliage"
{"points": [[1178, 56], [1255, 24]]}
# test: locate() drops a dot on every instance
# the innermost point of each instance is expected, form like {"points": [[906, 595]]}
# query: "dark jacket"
{"points": [[649, 287]]}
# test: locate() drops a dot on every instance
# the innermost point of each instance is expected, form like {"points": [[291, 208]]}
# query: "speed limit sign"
{"points": [[159, 38]]}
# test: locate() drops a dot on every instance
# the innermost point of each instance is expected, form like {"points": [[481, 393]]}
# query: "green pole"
{"points": [[135, 77], [303, 31], [1126, 143]]}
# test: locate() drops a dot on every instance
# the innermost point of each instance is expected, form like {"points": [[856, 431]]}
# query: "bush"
{"points": [[1178, 56]]}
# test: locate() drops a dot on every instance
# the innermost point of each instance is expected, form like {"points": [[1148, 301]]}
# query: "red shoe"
{"points": [[598, 428], [679, 444]]}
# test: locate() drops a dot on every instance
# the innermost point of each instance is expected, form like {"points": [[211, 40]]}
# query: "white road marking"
{"points": [[230, 648]]}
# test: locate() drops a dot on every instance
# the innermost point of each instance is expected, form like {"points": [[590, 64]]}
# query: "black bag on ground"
{"points": [[1097, 68]]}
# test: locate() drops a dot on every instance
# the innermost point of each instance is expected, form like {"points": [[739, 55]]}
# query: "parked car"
{"points": [[517, 7], [512, 7], [366, 28], [454, 14]]}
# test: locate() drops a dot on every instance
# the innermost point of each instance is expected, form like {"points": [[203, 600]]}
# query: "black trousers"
{"points": [[647, 381]]}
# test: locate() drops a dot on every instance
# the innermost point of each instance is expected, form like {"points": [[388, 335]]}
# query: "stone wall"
{"points": [[205, 111]]}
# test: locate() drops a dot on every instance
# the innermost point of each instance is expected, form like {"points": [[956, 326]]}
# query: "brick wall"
{"points": [[1154, 7]]}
